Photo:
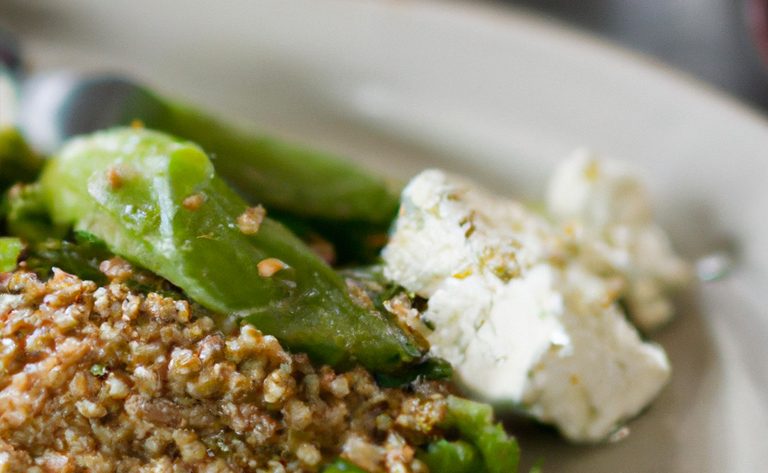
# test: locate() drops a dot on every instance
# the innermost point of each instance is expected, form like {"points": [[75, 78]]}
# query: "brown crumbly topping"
{"points": [[194, 201], [406, 316], [102, 379], [116, 269], [249, 221], [269, 266], [114, 178]]}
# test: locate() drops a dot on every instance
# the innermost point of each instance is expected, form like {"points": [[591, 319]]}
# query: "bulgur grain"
{"points": [[269, 266], [194, 201], [175, 394], [250, 221]]}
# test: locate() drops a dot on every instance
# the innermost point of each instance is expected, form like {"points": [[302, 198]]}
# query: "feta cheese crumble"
{"points": [[608, 213], [517, 310]]}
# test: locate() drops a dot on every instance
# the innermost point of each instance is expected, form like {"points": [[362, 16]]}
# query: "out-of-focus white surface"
{"points": [[402, 85], [7, 99]]}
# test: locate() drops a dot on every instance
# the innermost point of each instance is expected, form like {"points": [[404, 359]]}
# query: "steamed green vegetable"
{"points": [[157, 202], [474, 423], [79, 258], [280, 175], [453, 457], [10, 249], [18, 163], [26, 214], [82, 256]]}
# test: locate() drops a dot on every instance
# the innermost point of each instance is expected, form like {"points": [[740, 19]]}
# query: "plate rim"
{"points": [[610, 49]]}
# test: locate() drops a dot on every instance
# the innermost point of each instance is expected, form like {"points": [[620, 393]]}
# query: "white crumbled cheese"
{"points": [[522, 319], [608, 214]]}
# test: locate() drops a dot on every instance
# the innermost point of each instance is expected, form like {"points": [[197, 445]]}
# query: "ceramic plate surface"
{"points": [[500, 96]]}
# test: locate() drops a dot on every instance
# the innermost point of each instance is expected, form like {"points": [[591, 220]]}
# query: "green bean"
{"points": [[280, 175], [452, 457], [474, 422], [26, 214], [18, 163], [10, 249], [157, 202]]}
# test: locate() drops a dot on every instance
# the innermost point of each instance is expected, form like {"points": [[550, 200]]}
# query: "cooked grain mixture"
{"points": [[102, 379]]}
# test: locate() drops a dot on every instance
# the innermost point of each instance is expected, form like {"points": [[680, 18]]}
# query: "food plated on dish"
{"points": [[180, 294]]}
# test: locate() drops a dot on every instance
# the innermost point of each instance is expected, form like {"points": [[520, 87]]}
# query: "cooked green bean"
{"points": [[10, 249], [157, 202], [453, 457], [18, 163], [474, 422], [275, 173]]}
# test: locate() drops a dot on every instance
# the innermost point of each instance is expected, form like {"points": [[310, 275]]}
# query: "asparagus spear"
{"points": [[157, 202]]}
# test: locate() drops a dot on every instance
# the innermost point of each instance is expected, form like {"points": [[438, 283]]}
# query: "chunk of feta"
{"points": [[607, 212], [522, 320]]}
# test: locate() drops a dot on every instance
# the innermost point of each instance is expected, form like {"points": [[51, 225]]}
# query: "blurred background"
{"points": [[724, 42]]}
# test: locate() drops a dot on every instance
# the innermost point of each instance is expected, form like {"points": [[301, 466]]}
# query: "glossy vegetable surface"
{"points": [[157, 202], [10, 249], [26, 214], [342, 466], [453, 457], [475, 423], [18, 163]]}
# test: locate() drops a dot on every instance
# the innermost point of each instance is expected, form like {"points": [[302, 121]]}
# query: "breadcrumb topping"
{"points": [[249, 221], [269, 266], [194, 201]]}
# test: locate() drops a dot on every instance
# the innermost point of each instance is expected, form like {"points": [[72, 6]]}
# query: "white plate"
{"points": [[500, 96]]}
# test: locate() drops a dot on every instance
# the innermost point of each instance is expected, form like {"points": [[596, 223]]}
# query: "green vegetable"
{"points": [[27, 215], [311, 192], [18, 163], [452, 457], [10, 250], [354, 242], [342, 466], [81, 257], [474, 422], [432, 368], [265, 170], [131, 188]]}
